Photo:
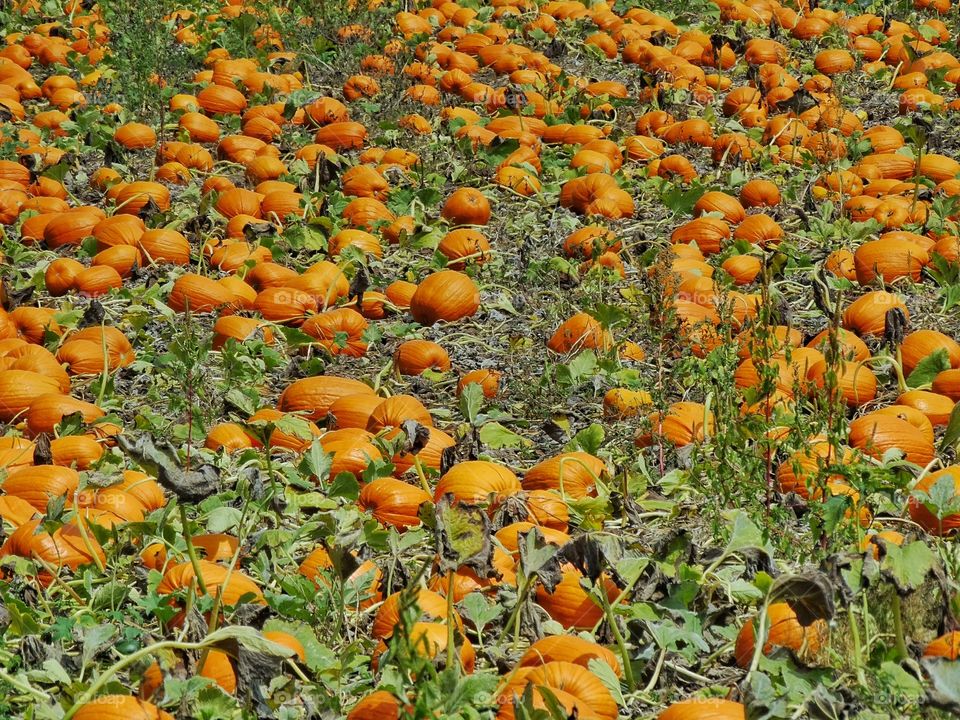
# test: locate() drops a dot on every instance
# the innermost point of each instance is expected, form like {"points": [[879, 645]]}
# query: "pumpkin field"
{"points": [[479, 359]]}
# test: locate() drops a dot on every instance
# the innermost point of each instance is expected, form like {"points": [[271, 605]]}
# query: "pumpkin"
{"points": [[67, 546], [432, 606], [353, 411], [876, 434], [312, 397], [363, 584], [218, 667], [60, 276], [48, 410], [946, 646], [922, 515], [922, 343], [39, 484], [464, 244], [867, 314], [567, 680], [570, 605], [397, 409], [580, 331], [413, 357], [393, 502], [352, 451], [379, 705], [19, 388], [488, 380], [568, 648], [855, 381], [232, 590], [120, 707], [759, 193], [430, 640], [197, 293], [340, 331], [573, 474], [783, 630], [683, 424], [937, 408], [447, 295], [715, 201], [477, 481], [704, 709], [889, 259]]}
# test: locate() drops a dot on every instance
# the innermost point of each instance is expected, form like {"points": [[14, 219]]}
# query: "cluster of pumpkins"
{"points": [[481, 78]]}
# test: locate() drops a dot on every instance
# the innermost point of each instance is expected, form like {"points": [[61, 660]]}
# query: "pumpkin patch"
{"points": [[479, 359]]}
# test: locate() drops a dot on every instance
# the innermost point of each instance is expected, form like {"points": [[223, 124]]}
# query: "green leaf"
{"points": [[907, 566], [744, 534], [223, 519], [588, 440], [316, 461], [952, 433], [240, 399], [480, 610], [345, 486], [471, 401], [944, 691], [608, 677], [928, 368], [496, 436]]}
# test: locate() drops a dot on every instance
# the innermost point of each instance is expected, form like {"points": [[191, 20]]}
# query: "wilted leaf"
{"points": [[189, 485], [462, 534], [539, 558], [808, 594]]}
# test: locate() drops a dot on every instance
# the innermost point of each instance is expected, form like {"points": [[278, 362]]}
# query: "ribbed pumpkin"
{"points": [[231, 590], [37, 485], [60, 276], [876, 434], [924, 517], [352, 451], [120, 707], [477, 481], [447, 295], [704, 709], [353, 411], [570, 605], [683, 424], [340, 331], [946, 646], [783, 630], [432, 606], [922, 343], [313, 396], [199, 294], [937, 408], [466, 206], [19, 388], [889, 259], [66, 547], [430, 640], [867, 314], [413, 357], [488, 380], [590, 696], [219, 668], [579, 332], [568, 648], [48, 410], [855, 381], [574, 474], [379, 705], [393, 502], [397, 409]]}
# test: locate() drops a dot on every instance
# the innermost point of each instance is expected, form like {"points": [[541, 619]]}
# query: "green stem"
{"points": [[901, 644], [126, 661], [618, 637], [857, 646], [191, 550]]}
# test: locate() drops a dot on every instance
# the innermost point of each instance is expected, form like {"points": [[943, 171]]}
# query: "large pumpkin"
{"points": [[447, 295]]}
